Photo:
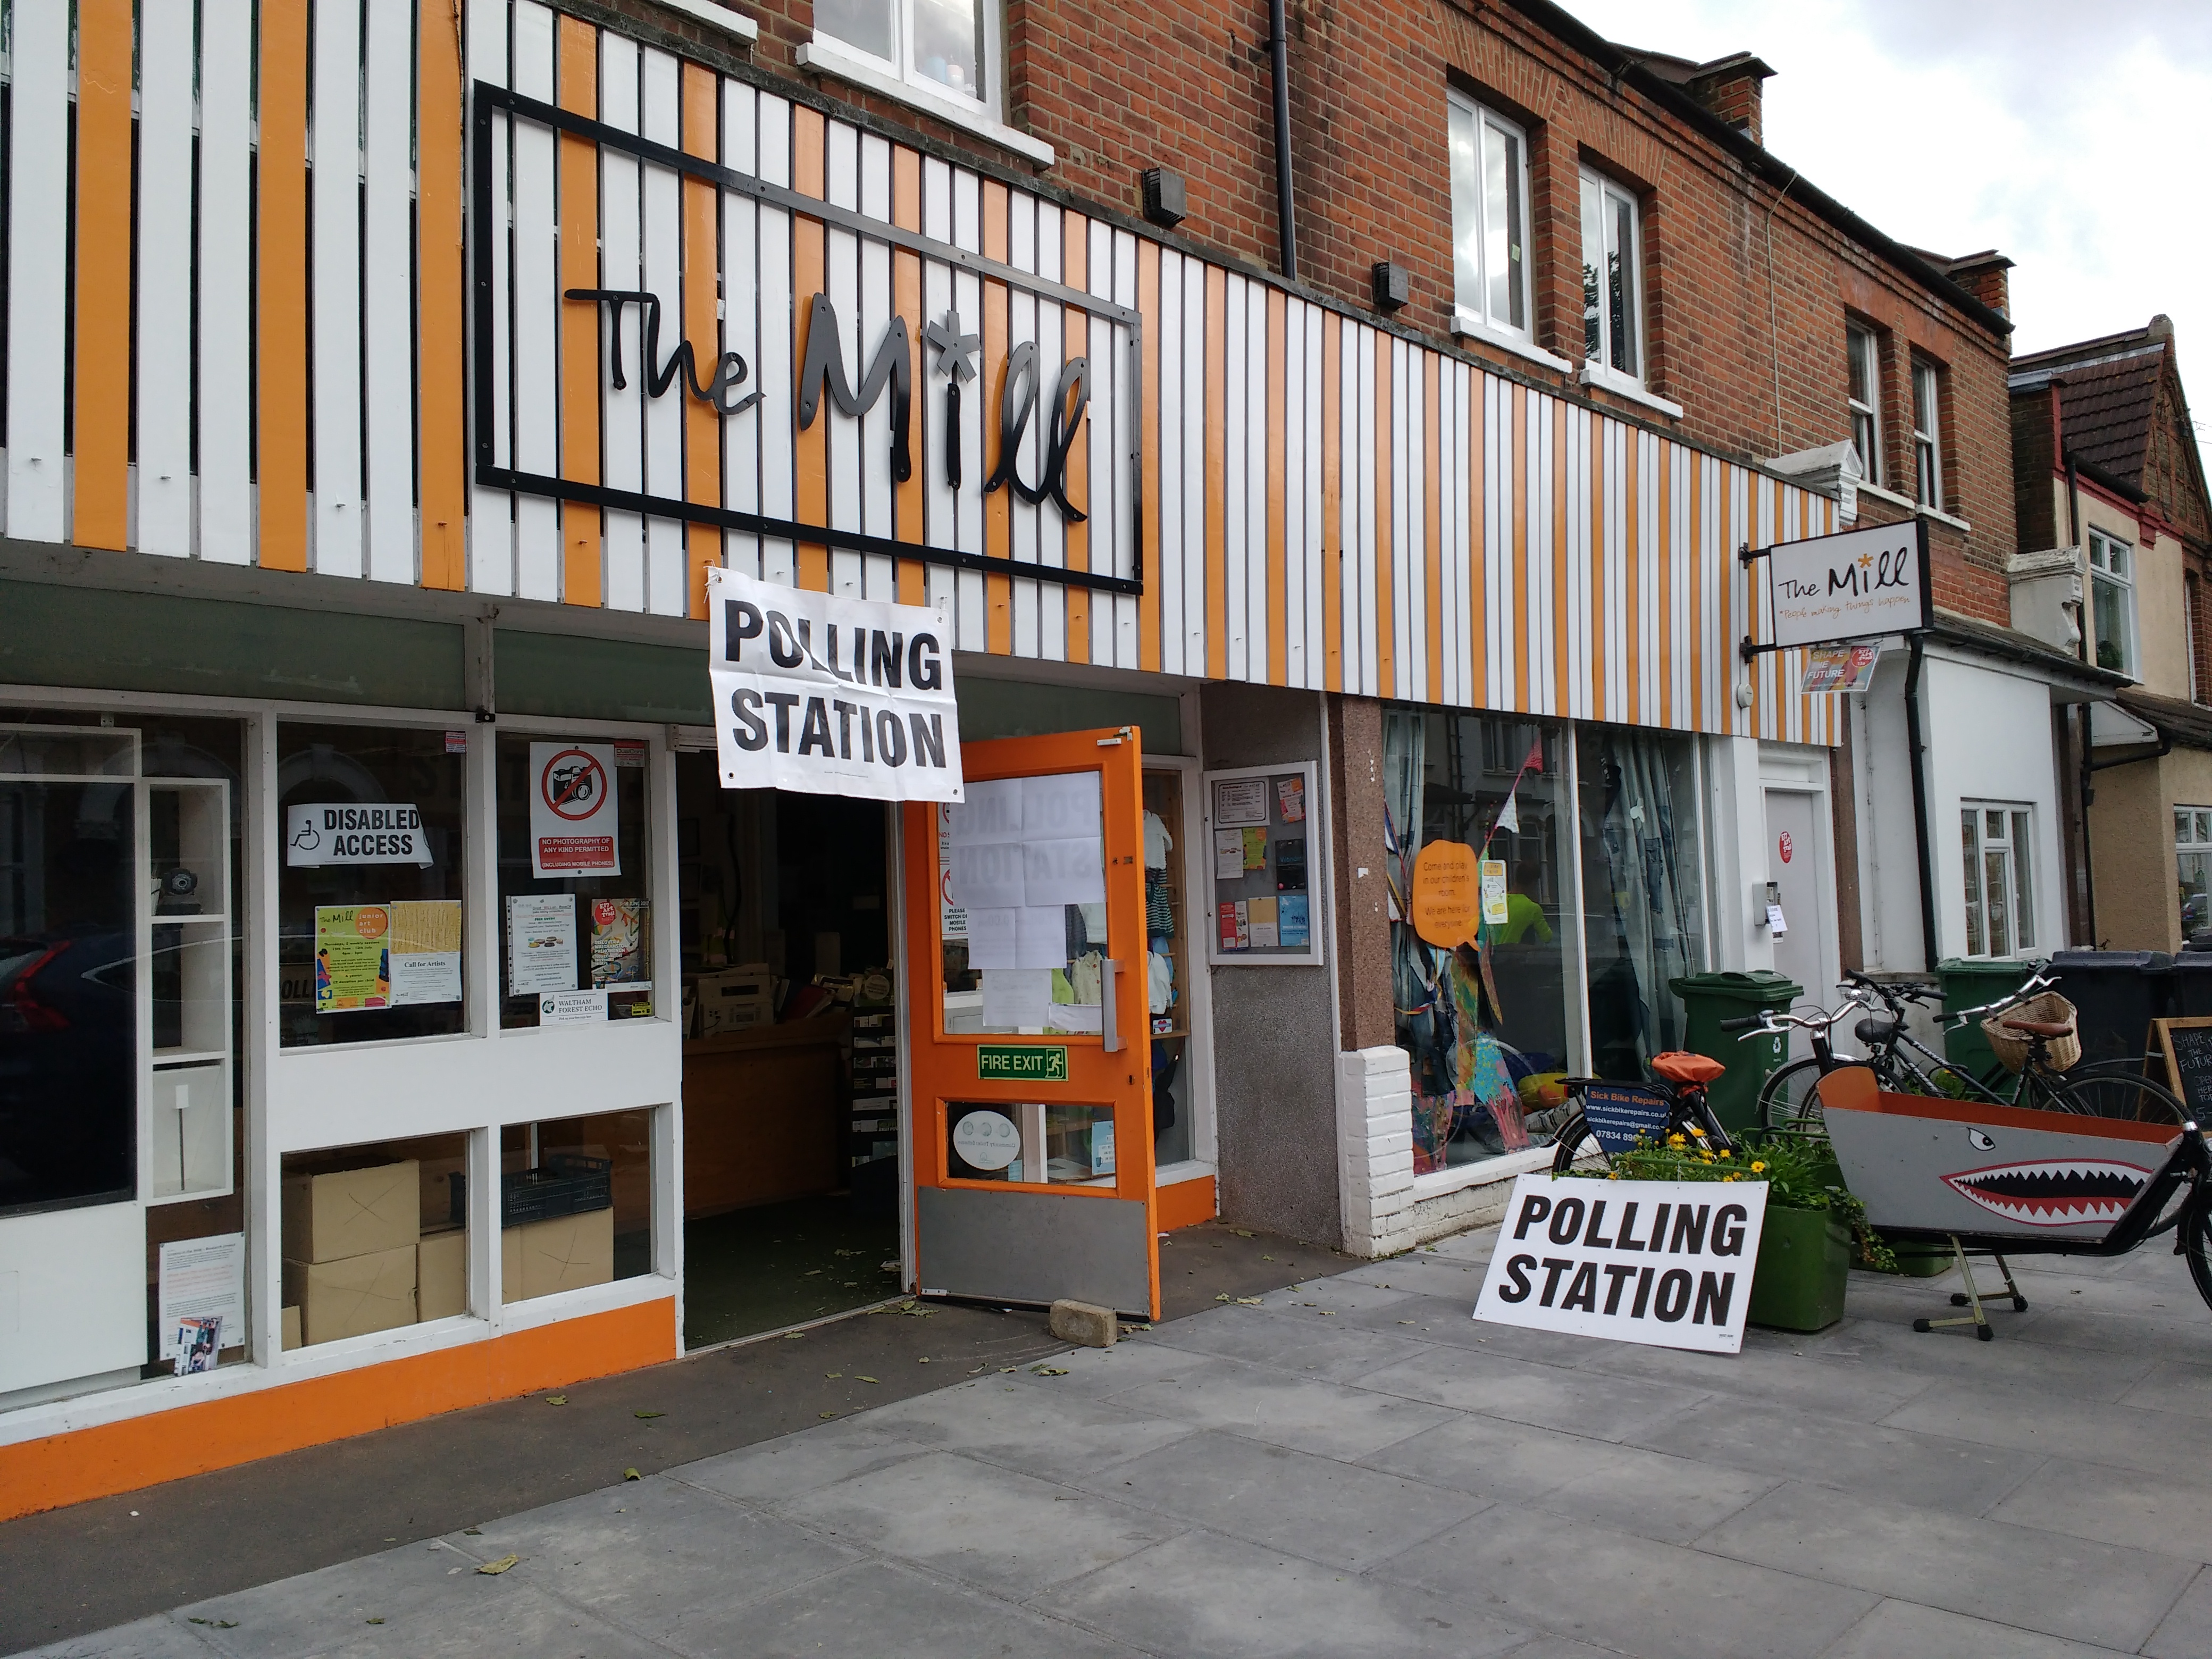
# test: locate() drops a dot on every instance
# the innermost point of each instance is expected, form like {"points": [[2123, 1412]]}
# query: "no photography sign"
{"points": [[1667, 1263]]}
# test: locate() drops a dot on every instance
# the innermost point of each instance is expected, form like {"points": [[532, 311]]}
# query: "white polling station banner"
{"points": [[830, 696], [1667, 1263]]}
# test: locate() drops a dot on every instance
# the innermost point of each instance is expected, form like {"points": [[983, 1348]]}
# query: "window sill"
{"points": [[1437, 1182], [826, 57], [718, 17], [1472, 328], [1620, 386], [1906, 504]]}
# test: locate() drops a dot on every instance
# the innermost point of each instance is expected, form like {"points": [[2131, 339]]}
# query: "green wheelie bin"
{"points": [[1968, 982], [1709, 999]]}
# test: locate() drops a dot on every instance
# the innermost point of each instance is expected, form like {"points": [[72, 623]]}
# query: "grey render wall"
{"points": [[1274, 1029]]}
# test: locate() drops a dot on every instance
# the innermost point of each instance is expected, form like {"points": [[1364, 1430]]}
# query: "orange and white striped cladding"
{"points": [[1313, 501]]}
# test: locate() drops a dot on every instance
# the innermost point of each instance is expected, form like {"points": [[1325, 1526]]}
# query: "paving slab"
{"points": [[2084, 1374], [164, 1636], [2185, 1633], [1874, 1461], [2024, 1418], [2172, 1385], [1597, 1584], [1672, 1499], [2086, 1592], [1436, 1319], [1036, 1431], [1301, 1413], [879, 1607], [1009, 1533], [1332, 1350], [1204, 1596], [2168, 1510], [1549, 1396], [1334, 1513], [1905, 1630]]}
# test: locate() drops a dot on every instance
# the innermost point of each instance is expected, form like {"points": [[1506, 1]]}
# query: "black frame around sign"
{"points": [[1751, 648], [488, 100]]}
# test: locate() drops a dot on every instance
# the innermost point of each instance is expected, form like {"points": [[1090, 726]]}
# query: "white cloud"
{"points": [[2070, 137]]}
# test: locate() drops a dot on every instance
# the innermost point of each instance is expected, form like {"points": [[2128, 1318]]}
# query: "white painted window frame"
{"points": [[1487, 122], [1859, 337], [2102, 544], [825, 54], [1927, 434], [2010, 847], [1598, 369]]}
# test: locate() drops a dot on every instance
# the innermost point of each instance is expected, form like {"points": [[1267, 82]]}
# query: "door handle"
{"points": [[1108, 1025]]}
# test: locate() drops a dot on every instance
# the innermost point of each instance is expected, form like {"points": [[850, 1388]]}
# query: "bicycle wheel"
{"points": [[2197, 1242], [1790, 1098], [2126, 1097], [1576, 1143]]}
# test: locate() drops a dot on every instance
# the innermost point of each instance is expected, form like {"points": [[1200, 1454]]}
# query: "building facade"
{"points": [[450, 1030], [2109, 475]]}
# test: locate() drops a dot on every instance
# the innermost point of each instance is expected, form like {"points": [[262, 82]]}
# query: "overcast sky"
{"points": [[2074, 137]]}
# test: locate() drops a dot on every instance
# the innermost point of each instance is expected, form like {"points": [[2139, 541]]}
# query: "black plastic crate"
{"points": [[566, 1183]]}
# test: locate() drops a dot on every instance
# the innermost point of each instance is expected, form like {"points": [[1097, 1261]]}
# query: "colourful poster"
{"points": [[1291, 797], [1292, 911], [1256, 847], [424, 951], [618, 942], [352, 973]]}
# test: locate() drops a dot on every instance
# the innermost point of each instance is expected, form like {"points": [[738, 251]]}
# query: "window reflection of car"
{"points": [[68, 1071], [2195, 911]]}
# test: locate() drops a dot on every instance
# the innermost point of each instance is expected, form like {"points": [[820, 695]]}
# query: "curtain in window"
{"points": [[1644, 922]]}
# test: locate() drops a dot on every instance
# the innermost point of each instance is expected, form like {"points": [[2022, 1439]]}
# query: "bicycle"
{"points": [[1790, 1098], [1673, 1102]]}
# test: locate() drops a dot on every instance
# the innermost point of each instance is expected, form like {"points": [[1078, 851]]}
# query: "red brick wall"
{"points": [[1747, 289]]}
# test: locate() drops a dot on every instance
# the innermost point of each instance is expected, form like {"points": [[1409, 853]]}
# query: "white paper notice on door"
{"points": [[1072, 872], [1017, 1000], [993, 811], [1040, 936], [1059, 806], [988, 874], [991, 937]]}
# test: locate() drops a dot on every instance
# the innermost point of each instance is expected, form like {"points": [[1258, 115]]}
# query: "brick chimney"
{"points": [[1983, 276], [1730, 87]]}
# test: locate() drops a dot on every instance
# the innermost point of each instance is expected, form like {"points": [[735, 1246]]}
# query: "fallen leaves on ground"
{"points": [[493, 1569], [648, 1416], [213, 1624], [859, 1377], [632, 1474], [556, 1398], [1049, 1370]]}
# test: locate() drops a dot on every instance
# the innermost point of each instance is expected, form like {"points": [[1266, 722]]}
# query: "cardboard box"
{"points": [[540, 1257], [329, 1217], [441, 1274], [438, 1192], [356, 1294], [291, 1328]]}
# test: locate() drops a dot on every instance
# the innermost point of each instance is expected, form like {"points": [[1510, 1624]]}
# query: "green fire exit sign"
{"points": [[1021, 1062]]}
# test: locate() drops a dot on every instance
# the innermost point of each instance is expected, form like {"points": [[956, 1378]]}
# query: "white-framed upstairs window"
{"points": [[1613, 280], [2113, 602], [942, 55], [2192, 859], [1490, 218], [1863, 352], [1997, 840], [1927, 435]]}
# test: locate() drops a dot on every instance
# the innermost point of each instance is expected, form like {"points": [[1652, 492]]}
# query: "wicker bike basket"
{"points": [[2011, 1048]]}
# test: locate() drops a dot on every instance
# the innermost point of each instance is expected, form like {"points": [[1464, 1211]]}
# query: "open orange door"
{"points": [[1030, 1063]]}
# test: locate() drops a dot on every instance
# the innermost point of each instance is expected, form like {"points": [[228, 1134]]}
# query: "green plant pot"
{"points": [[1804, 1265]]}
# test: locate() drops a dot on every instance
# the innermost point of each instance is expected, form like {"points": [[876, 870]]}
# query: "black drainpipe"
{"points": [[1913, 742], [1279, 48], [2086, 786]]}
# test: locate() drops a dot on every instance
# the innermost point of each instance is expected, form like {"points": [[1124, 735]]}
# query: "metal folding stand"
{"points": [[1971, 1296]]}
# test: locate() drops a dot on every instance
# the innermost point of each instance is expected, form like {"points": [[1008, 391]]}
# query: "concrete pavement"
{"points": [[1355, 1467]]}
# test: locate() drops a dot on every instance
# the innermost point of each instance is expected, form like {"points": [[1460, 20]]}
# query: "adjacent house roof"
{"points": [[2109, 396]]}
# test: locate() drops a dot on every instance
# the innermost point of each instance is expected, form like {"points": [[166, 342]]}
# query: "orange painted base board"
{"points": [[218, 1434], [1185, 1204]]}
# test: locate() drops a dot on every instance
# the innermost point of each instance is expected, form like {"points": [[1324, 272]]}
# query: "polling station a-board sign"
{"points": [[830, 696], [1667, 1263]]}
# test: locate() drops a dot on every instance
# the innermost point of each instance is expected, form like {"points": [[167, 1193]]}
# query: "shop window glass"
{"points": [[119, 856], [575, 877], [1037, 1142], [370, 936], [1023, 920], [375, 1236], [575, 1203], [1484, 1026], [1643, 891]]}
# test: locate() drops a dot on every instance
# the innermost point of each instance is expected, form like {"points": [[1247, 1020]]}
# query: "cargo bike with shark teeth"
{"points": [[1986, 1177]]}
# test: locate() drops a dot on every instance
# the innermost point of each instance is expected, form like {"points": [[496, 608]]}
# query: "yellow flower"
{"points": [[1729, 1177], [1696, 1131], [1726, 1153], [1757, 1167], [1613, 1174], [1675, 1140]]}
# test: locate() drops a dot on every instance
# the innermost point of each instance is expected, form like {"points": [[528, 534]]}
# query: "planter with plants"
{"points": [[1814, 1228]]}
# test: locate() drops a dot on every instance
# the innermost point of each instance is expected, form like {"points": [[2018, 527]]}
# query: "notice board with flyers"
{"points": [[1262, 852]]}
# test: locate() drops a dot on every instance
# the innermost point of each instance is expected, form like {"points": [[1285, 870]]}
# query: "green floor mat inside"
{"points": [[781, 1264]]}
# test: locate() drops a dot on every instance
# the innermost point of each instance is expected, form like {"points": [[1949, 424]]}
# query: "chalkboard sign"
{"points": [[1619, 1113], [2187, 1047]]}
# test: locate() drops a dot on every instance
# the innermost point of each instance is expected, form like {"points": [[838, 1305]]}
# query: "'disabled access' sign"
{"points": [[1667, 1263]]}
